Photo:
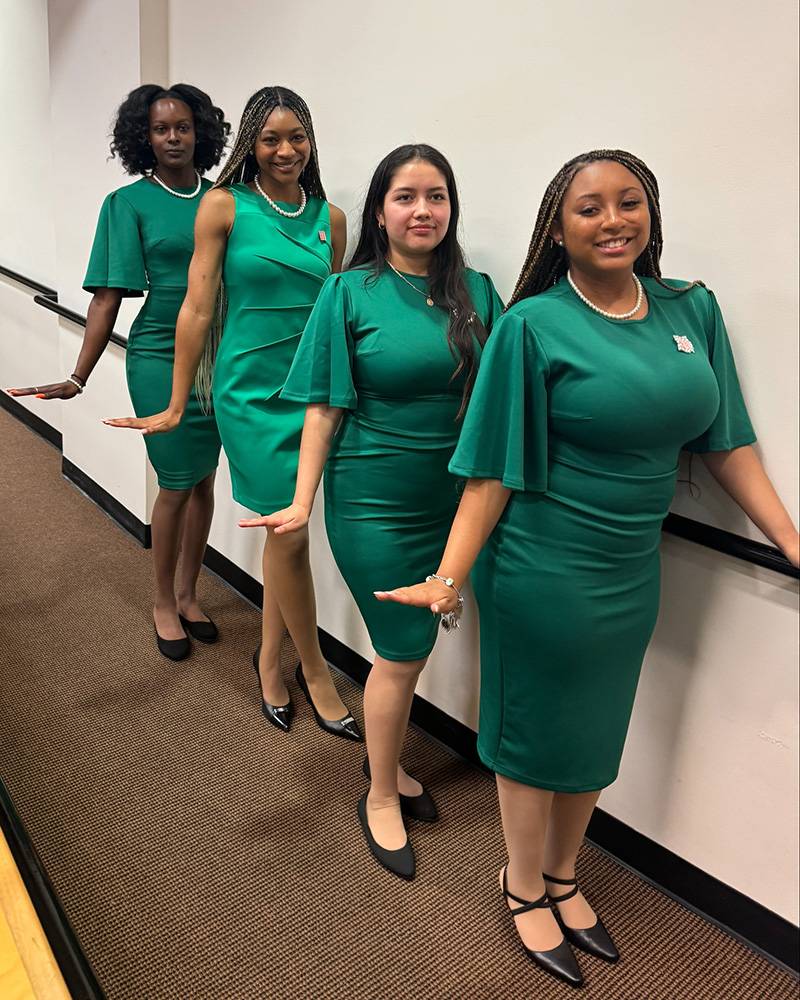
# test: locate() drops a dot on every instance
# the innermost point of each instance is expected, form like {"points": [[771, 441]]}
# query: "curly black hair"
{"points": [[131, 135]]}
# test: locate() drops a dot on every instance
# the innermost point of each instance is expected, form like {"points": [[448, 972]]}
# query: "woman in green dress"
{"points": [[266, 233], [592, 382], [388, 359], [144, 243]]}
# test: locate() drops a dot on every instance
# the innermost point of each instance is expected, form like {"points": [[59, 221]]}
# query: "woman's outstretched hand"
{"points": [[291, 518], [159, 423], [434, 595], [56, 390]]}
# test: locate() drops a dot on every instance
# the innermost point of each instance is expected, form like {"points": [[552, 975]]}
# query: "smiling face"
{"points": [[604, 221], [172, 136], [415, 210], [282, 148]]}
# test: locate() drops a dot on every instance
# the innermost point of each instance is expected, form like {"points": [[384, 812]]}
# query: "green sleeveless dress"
{"points": [[373, 347], [583, 417], [273, 271], [144, 243]]}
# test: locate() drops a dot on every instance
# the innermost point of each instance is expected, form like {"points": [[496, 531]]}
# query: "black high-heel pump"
{"points": [[279, 715]]}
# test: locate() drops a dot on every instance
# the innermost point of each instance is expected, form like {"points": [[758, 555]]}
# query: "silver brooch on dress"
{"points": [[684, 345]]}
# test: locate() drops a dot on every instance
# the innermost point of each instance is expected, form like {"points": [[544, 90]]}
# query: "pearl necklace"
{"points": [[603, 312], [429, 301], [277, 208], [154, 176]]}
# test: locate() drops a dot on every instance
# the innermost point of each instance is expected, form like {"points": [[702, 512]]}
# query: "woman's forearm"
{"points": [[319, 428], [191, 334], [100, 319], [742, 476], [483, 502]]}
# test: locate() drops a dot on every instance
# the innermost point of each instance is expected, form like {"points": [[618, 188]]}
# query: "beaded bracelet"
{"points": [[80, 386], [449, 619]]}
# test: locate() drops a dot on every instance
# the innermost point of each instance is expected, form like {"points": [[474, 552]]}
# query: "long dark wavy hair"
{"points": [[131, 135], [447, 286], [241, 165], [546, 261]]}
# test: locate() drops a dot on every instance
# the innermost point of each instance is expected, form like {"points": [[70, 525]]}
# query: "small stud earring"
{"points": [[381, 225]]}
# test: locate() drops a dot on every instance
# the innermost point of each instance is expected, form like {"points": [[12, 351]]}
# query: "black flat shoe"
{"points": [[558, 961], [595, 939], [420, 807], [202, 631], [346, 727], [279, 715], [173, 649], [401, 862]]}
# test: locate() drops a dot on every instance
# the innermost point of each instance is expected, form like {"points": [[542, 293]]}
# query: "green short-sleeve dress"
{"points": [[373, 347], [273, 271], [144, 243], [583, 418]]}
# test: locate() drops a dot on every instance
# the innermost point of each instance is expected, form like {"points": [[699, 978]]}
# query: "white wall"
{"points": [[705, 95]]}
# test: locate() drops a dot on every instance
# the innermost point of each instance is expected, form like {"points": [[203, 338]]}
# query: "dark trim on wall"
{"points": [[110, 505], [731, 544], [73, 317], [78, 974], [30, 419], [34, 286]]}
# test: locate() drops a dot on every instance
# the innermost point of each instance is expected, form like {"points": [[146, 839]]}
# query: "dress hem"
{"points": [[405, 658], [186, 485], [550, 786]]}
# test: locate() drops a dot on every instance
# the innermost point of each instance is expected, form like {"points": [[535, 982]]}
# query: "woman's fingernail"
{"points": [[40, 395]]}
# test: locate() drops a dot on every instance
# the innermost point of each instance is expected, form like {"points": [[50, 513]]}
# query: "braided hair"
{"points": [[241, 165], [546, 262], [447, 285]]}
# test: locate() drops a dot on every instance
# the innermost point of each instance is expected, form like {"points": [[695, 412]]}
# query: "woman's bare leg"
{"points": [[166, 529], [569, 817], [387, 703], [525, 812], [287, 573], [273, 629], [196, 526]]}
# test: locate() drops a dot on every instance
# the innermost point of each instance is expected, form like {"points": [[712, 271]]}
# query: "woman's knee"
{"points": [[204, 490]]}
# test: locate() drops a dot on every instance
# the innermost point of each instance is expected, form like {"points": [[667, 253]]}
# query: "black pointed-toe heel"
{"points": [[279, 715], [595, 939], [559, 961], [173, 649], [346, 727], [400, 862], [202, 631], [420, 807]]}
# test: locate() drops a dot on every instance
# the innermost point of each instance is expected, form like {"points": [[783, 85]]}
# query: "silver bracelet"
{"points": [[76, 383], [449, 619]]}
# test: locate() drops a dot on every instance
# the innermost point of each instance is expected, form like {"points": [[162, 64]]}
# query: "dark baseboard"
{"points": [[107, 503], [767, 932], [77, 972], [24, 415]]}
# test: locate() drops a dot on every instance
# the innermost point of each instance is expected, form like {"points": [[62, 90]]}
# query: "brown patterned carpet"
{"points": [[201, 855]]}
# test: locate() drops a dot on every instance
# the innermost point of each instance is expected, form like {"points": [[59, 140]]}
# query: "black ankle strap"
{"points": [[526, 904], [562, 881]]}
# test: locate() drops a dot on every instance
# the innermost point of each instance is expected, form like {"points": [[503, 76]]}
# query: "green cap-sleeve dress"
{"points": [[583, 417], [144, 243], [373, 347]]}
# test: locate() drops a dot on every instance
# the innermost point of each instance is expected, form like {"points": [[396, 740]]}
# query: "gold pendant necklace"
{"points": [[428, 300]]}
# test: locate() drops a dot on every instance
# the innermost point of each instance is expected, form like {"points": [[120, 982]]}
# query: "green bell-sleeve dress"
{"points": [[373, 347], [144, 243], [583, 418]]}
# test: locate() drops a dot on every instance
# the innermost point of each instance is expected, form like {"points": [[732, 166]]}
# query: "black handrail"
{"points": [[35, 286], [684, 527], [730, 543], [73, 317]]}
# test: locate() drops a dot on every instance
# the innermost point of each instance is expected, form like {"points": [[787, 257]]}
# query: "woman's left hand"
{"points": [[434, 595]]}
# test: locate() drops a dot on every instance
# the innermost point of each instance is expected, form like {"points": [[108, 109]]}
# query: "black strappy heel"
{"points": [[559, 961], [595, 939]]}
